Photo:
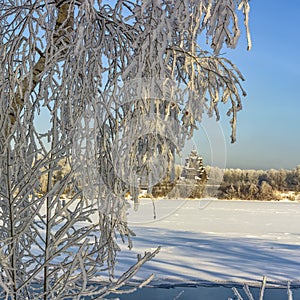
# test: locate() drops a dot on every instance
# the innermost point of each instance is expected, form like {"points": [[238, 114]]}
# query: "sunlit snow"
{"points": [[217, 240]]}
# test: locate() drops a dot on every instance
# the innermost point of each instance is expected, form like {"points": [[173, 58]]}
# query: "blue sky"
{"points": [[268, 131]]}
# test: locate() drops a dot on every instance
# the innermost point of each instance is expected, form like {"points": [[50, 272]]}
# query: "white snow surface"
{"points": [[216, 241]]}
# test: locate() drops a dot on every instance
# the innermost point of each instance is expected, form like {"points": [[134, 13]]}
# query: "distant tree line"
{"points": [[233, 183], [255, 184]]}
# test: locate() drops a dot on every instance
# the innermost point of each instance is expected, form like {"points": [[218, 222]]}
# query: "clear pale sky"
{"points": [[268, 130]]}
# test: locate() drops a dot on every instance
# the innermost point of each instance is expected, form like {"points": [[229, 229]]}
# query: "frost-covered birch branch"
{"points": [[94, 99]]}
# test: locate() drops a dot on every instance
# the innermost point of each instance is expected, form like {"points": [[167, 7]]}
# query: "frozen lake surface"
{"points": [[216, 241]]}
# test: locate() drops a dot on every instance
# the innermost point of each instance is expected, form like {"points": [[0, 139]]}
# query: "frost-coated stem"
{"points": [[262, 288], [247, 291], [289, 291], [12, 238], [49, 205], [129, 274], [237, 294]]}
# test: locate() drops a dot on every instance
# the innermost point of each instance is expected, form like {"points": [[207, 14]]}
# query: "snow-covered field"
{"points": [[217, 241]]}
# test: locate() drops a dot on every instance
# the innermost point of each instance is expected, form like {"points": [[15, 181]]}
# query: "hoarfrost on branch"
{"points": [[92, 96]]}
